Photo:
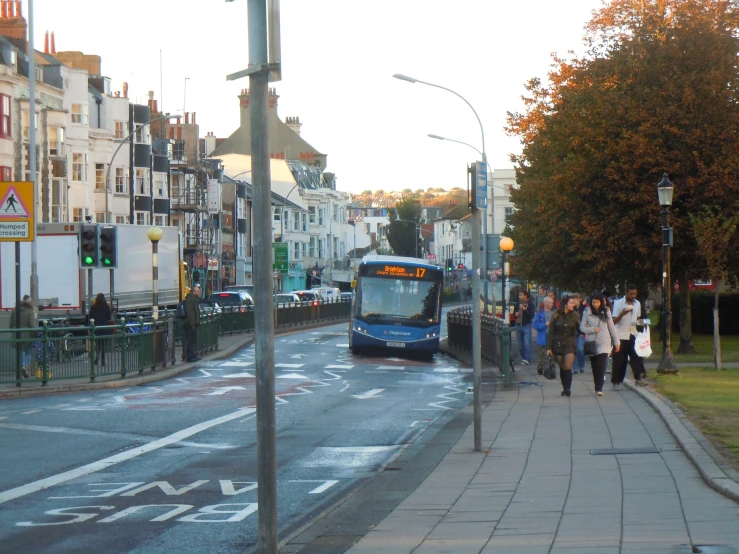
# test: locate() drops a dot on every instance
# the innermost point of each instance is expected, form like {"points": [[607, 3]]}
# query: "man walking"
{"points": [[28, 320], [191, 324], [524, 313], [626, 312]]}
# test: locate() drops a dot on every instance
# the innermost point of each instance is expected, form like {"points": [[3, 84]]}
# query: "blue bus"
{"points": [[397, 306]]}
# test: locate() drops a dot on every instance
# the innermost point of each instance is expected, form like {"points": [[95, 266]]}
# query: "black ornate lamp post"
{"points": [[667, 364]]}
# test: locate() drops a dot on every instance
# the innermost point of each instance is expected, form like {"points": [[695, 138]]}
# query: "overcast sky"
{"points": [[338, 60]]}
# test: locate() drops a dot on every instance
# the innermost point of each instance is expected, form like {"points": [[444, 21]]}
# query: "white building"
{"points": [[501, 182]]}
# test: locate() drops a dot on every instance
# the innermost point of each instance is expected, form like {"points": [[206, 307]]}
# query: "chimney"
{"points": [[193, 118], [53, 44], [18, 11], [125, 89], [46, 43], [4, 10], [187, 118], [150, 99], [294, 124]]}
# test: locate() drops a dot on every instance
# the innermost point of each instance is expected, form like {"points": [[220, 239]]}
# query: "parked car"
{"points": [[249, 289], [308, 297], [285, 299], [230, 301]]}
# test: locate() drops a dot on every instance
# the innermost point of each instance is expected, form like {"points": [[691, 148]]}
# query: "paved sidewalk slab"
{"points": [[537, 488]]}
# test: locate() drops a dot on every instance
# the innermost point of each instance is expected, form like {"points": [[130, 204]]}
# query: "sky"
{"points": [[339, 57]]}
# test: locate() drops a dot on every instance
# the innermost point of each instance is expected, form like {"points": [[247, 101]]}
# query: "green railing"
{"points": [[58, 352]]}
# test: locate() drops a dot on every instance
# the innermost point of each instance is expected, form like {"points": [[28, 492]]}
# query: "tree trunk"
{"points": [[686, 330], [716, 337]]}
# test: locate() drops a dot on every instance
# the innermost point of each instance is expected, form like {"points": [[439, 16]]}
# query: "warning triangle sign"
{"points": [[12, 205]]}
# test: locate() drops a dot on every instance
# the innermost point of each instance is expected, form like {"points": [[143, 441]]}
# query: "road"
{"points": [[134, 469]]}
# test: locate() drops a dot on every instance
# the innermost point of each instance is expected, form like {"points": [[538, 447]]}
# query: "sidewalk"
{"points": [[539, 487]]}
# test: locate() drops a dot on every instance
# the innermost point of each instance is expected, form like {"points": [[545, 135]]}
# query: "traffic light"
{"points": [[449, 264], [109, 247], [88, 239], [460, 266]]}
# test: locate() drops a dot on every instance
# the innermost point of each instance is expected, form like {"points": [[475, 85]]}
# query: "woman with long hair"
{"points": [[597, 325], [562, 340], [102, 315]]}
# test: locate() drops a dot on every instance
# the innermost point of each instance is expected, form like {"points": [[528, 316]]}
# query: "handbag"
{"points": [[590, 348], [550, 372], [643, 344]]}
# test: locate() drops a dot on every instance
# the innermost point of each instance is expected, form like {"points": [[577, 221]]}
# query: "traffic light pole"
{"points": [[89, 290]]}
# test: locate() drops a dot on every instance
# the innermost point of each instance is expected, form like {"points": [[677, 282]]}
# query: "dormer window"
{"points": [[39, 73]]}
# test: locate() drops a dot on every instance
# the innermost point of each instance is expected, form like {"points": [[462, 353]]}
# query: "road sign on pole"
{"points": [[280, 258], [481, 185], [17, 203]]}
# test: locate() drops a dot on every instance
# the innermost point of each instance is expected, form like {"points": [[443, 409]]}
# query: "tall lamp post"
{"points": [[667, 364], [353, 223], [155, 235], [506, 245]]}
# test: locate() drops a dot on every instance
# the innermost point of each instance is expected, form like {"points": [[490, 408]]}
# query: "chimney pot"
{"points": [[46, 43], [18, 11], [53, 44], [4, 10], [193, 118], [187, 118], [125, 90]]}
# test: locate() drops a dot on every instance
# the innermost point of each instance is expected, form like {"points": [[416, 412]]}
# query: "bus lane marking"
{"points": [[106, 463]]}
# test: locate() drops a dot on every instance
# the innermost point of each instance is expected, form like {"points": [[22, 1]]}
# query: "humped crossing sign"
{"points": [[17, 201]]}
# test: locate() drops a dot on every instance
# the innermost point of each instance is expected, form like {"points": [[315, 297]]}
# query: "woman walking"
{"points": [[562, 340], [597, 325], [102, 315]]}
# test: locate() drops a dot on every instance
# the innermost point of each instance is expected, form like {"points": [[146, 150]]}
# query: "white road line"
{"points": [[335, 377], [110, 461], [339, 367], [3, 417], [289, 366], [346, 387], [84, 399], [30, 412], [291, 376], [392, 367], [236, 364], [323, 488], [244, 375], [414, 424]]}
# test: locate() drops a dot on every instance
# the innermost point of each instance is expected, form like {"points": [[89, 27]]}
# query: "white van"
{"points": [[328, 293]]}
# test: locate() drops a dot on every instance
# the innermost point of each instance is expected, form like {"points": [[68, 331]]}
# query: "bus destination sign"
{"points": [[400, 272]]}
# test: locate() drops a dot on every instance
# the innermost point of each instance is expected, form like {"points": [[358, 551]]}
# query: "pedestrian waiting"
{"points": [[28, 320]]}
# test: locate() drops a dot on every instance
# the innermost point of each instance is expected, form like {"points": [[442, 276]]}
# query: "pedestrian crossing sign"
{"points": [[17, 202]]}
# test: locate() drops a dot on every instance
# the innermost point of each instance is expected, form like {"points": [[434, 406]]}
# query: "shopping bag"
{"points": [[643, 345], [550, 371]]}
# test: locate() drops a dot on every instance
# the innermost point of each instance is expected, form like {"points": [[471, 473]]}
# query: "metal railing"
{"points": [[58, 350], [495, 337]]}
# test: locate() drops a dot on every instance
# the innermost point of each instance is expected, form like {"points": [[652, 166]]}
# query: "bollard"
{"points": [[45, 355], [91, 354], [506, 355]]}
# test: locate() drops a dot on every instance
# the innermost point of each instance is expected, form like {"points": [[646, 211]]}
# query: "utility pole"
{"points": [[264, 62], [476, 319], [32, 149]]}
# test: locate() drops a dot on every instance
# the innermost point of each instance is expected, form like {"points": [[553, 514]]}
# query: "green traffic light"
{"points": [[89, 260], [106, 261]]}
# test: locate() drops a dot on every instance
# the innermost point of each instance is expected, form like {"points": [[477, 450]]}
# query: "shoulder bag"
{"points": [[590, 348]]}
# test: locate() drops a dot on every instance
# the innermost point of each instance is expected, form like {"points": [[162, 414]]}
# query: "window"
{"points": [[141, 134], [276, 214], [142, 182], [79, 114], [321, 247], [296, 222], [313, 247], [159, 220], [296, 251], [5, 125], [58, 200], [78, 214], [120, 180], [142, 218], [121, 219], [120, 129], [321, 216], [305, 248], [99, 176], [39, 73], [100, 218], [312, 213], [79, 167], [160, 185], [6, 173], [304, 217], [56, 141], [508, 213]]}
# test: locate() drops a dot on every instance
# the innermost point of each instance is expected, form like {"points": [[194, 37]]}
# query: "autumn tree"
{"points": [[656, 91], [716, 234], [402, 232]]}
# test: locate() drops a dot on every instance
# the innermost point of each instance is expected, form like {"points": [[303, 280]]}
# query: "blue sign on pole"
{"points": [[482, 185]]}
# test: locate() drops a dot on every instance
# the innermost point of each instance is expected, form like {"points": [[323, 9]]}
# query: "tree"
{"points": [[402, 232], [715, 233], [657, 91]]}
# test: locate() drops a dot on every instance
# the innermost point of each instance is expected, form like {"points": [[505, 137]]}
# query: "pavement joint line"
{"points": [[703, 461]]}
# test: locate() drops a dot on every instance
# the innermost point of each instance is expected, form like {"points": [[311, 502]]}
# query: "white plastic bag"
{"points": [[643, 345]]}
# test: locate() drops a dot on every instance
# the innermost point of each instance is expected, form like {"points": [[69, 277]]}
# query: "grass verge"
{"points": [[710, 399]]}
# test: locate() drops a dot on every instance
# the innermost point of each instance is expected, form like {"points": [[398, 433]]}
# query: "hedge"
{"points": [[702, 313]]}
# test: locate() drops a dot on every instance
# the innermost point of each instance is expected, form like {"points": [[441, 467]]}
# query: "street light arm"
{"points": [[122, 142], [482, 132], [437, 137]]}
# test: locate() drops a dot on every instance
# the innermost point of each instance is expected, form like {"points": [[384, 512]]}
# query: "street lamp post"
{"points": [[353, 223], [667, 364], [476, 319], [506, 245], [155, 235], [108, 215]]}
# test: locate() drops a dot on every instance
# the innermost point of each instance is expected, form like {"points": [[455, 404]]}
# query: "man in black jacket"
{"points": [[525, 312], [191, 323]]}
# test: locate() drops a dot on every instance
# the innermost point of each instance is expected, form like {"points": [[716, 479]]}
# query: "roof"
{"points": [[457, 212], [277, 200]]}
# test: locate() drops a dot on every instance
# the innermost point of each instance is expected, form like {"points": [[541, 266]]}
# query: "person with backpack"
{"points": [[190, 324]]}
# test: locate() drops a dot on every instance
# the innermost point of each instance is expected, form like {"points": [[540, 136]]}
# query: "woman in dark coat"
{"points": [[562, 340], [102, 315]]}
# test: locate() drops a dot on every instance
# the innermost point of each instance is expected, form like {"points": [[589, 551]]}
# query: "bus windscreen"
{"points": [[399, 296]]}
